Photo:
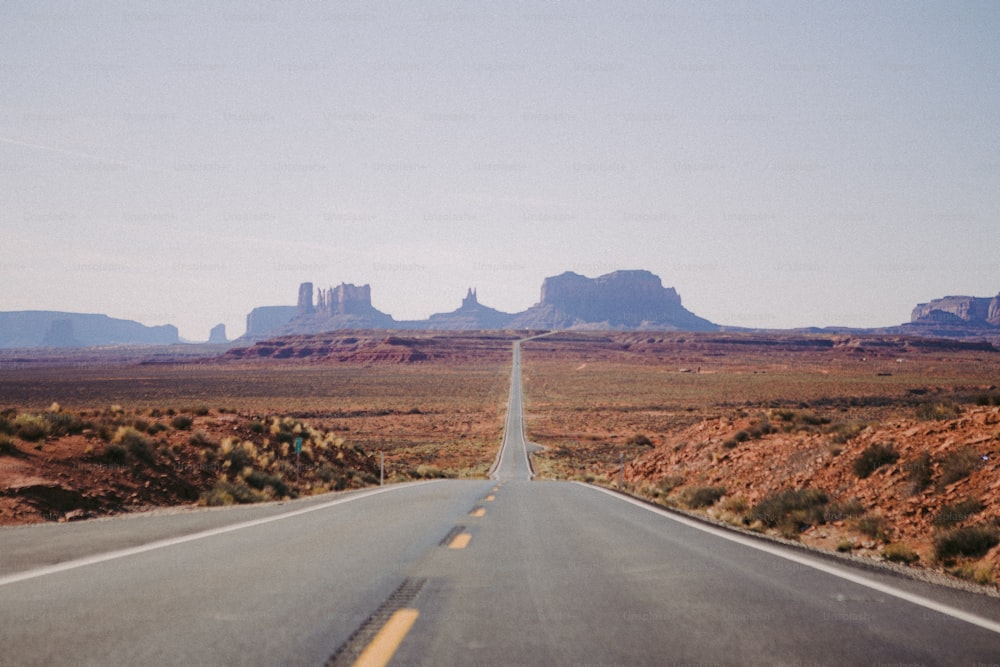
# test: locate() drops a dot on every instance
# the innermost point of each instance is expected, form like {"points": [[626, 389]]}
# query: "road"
{"points": [[501, 571]]}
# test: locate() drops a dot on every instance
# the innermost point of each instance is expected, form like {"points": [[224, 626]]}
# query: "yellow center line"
{"points": [[490, 498], [381, 649], [479, 511], [461, 541]]}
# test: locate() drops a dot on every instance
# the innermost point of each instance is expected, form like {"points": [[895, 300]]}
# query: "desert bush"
{"points": [[738, 437], [986, 399], [959, 464], [31, 428], [702, 496], [257, 427], [202, 439], [7, 445], [182, 422], [735, 504], [874, 457], [918, 473], [259, 480], [897, 552], [843, 432], [958, 512], [115, 454], [669, 483], [873, 525], [843, 511], [791, 510], [135, 443], [239, 457], [227, 493], [639, 440], [431, 472], [6, 422], [63, 423], [971, 541], [938, 411]]}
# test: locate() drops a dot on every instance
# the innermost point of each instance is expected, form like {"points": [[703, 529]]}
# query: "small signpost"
{"points": [[298, 456]]}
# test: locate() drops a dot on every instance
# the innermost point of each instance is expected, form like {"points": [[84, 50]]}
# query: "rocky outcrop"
{"points": [[618, 300], [968, 309], [956, 317], [345, 306], [470, 316], [39, 328], [265, 320], [218, 335]]}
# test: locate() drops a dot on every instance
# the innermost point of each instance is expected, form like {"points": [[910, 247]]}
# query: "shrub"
{"points": [[31, 428], [918, 473], [792, 510], [958, 512], [259, 480], [873, 525], [897, 552], [239, 458], [843, 511], [702, 496], [874, 457], [63, 423], [959, 464], [843, 432], [938, 411], [182, 422], [669, 483], [227, 493], [135, 443], [7, 445], [639, 440], [202, 439], [115, 454], [973, 541]]}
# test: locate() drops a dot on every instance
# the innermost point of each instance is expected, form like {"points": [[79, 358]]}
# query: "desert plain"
{"points": [[880, 447]]}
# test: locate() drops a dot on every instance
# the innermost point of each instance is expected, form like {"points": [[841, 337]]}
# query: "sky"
{"points": [[781, 164]]}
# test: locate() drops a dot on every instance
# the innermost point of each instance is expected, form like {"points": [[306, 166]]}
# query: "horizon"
{"points": [[780, 166]]}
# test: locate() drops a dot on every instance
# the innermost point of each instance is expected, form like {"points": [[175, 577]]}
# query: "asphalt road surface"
{"points": [[504, 571]]}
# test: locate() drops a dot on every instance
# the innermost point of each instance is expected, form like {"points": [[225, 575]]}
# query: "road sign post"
{"points": [[298, 456]]}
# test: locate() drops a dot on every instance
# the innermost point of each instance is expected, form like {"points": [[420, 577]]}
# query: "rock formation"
{"points": [[957, 317], [264, 321], [345, 306], [618, 300], [471, 315], [218, 335], [40, 328], [969, 309]]}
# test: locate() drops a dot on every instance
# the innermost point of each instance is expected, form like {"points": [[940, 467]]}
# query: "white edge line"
{"points": [[172, 541], [775, 550]]}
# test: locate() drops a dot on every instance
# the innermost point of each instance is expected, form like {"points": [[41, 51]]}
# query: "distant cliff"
{"points": [[958, 317], [41, 328], [971, 310], [620, 300]]}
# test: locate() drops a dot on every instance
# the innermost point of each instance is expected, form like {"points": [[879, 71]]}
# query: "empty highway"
{"points": [[506, 571]]}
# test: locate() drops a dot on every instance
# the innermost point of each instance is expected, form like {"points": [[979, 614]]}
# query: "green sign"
{"points": [[298, 445]]}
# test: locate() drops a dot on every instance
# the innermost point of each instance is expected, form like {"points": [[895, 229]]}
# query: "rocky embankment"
{"points": [[922, 491]]}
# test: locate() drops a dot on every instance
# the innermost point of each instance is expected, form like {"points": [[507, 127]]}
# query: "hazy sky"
{"points": [[779, 164]]}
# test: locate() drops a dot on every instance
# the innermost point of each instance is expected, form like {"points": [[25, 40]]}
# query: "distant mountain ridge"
{"points": [[47, 328], [633, 299]]}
